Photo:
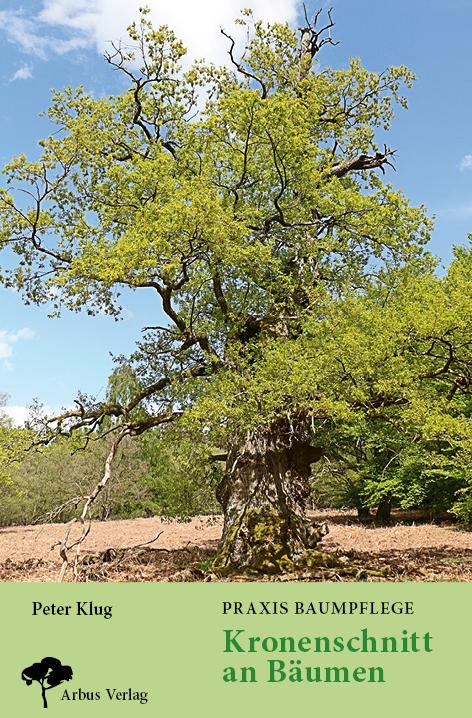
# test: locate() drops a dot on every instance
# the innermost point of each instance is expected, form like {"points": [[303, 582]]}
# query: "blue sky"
{"points": [[53, 43]]}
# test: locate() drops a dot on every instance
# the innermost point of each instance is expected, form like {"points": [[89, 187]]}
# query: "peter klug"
{"points": [[80, 608]]}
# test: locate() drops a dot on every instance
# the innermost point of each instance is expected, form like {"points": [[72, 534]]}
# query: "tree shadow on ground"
{"points": [[15, 529], [408, 518]]}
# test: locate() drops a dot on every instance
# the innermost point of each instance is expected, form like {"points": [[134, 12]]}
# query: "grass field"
{"points": [[182, 551]]}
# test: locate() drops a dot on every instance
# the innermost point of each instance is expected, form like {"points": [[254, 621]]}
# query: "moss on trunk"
{"points": [[264, 496]]}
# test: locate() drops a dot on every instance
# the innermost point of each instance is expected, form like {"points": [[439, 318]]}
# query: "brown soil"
{"points": [[114, 551]]}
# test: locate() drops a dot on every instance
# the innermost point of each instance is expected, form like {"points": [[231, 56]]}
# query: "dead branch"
{"points": [[312, 40], [363, 162], [116, 556], [55, 513], [85, 515]]}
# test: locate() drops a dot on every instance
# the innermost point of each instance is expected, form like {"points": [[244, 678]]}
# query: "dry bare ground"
{"points": [[114, 551]]}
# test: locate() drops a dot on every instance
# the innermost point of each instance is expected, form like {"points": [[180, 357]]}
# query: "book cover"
{"points": [[235, 358]]}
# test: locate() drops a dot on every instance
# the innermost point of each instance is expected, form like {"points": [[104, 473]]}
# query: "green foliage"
{"points": [[13, 444], [462, 508], [182, 474]]}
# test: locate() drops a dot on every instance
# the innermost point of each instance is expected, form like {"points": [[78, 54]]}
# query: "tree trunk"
{"points": [[384, 509], [43, 695], [264, 495], [363, 513]]}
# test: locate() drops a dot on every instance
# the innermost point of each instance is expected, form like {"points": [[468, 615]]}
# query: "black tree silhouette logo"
{"points": [[49, 673]]}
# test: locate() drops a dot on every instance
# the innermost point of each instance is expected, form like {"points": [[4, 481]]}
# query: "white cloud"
{"points": [[31, 37], [20, 414], [96, 22], [8, 339], [17, 414], [25, 72], [466, 163]]}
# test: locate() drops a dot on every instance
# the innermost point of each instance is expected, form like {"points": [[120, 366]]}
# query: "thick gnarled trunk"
{"points": [[264, 495]]}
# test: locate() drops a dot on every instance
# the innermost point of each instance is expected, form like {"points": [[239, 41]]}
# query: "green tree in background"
{"points": [[416, 451], [13, 444], [250, 203]]}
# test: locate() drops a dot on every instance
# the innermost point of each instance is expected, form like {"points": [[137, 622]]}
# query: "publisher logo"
{"points": [[48, 673]]}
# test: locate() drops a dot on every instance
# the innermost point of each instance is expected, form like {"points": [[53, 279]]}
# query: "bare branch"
{"points": [[85, 515], [362, 162], [312, 40], [240, 68]]}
